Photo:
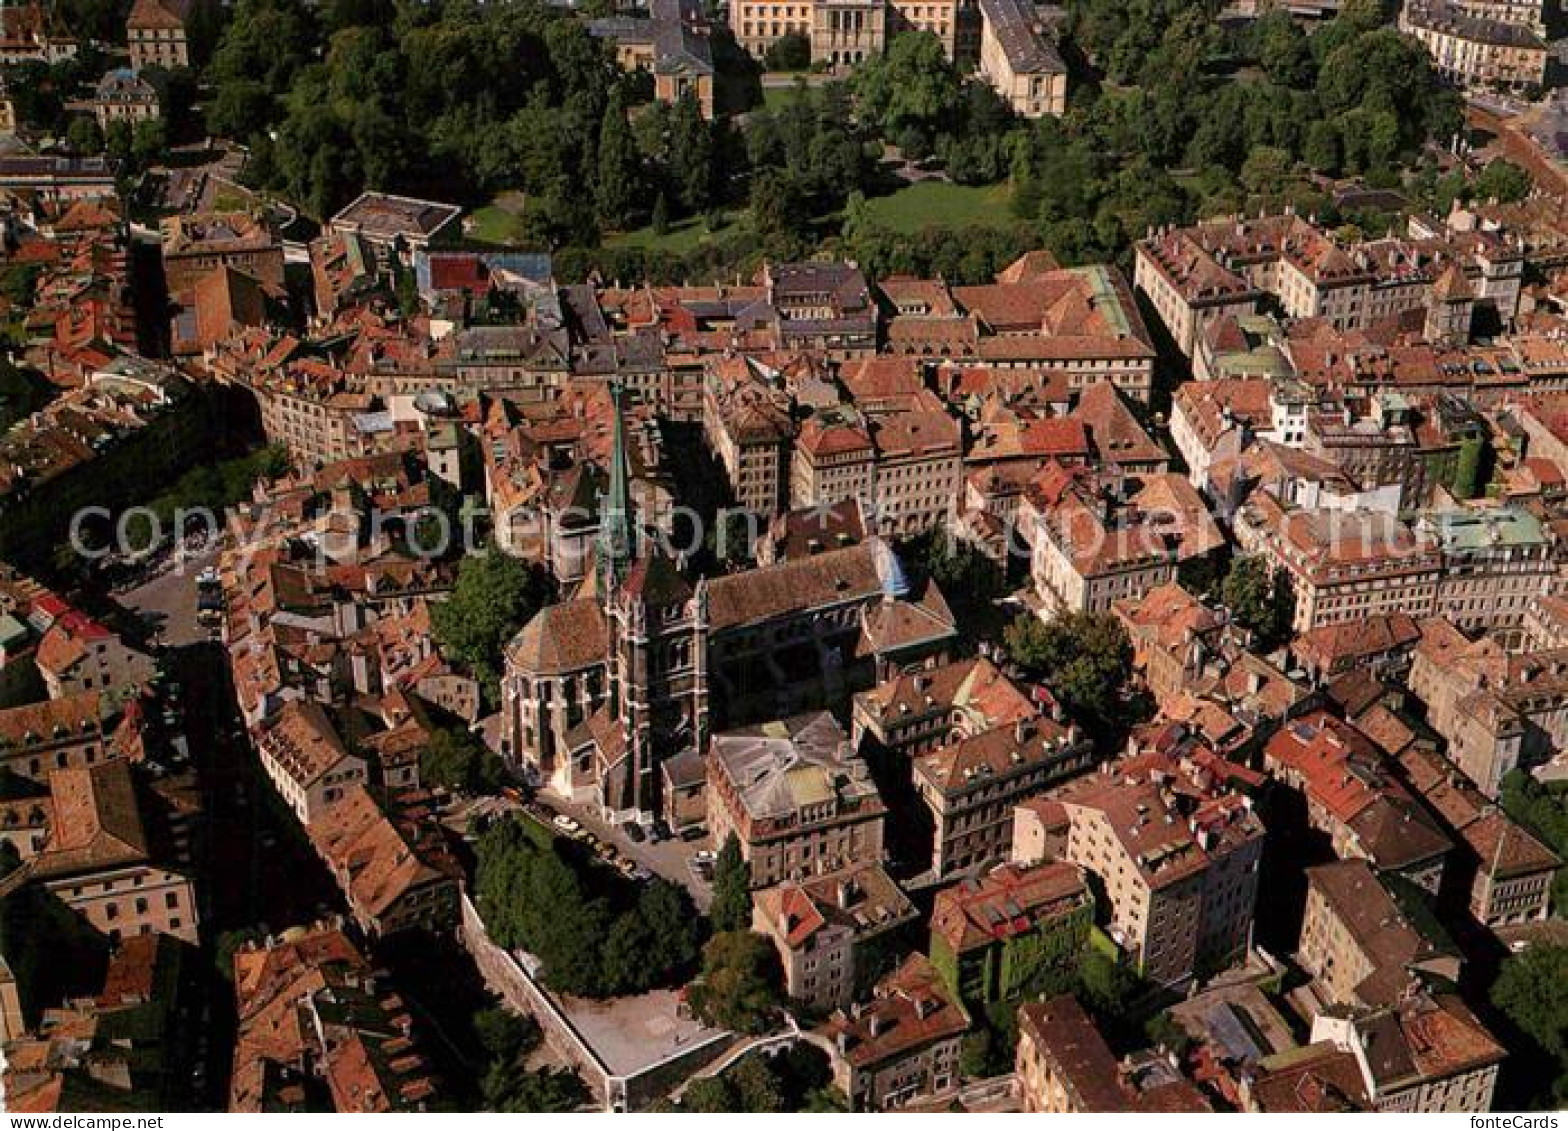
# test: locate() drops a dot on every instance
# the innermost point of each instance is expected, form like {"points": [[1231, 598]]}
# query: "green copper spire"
{"points": [[616, 544]]}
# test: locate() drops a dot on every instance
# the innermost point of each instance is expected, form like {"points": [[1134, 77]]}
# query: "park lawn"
{"points": [[496, 225], [938, 204], [775, 98], [681, 236]]}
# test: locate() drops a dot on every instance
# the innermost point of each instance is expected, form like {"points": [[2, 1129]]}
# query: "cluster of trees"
{"points": [[507, 1084], [213, 486], [458, 760], [916, 99], [1354, 97], [1531, 992], [741, 986], [1085, 659], [797, 1078], [1261, 600], [399, 96], [595, 937], [1544, 811], [494, 596], [806, 158]]}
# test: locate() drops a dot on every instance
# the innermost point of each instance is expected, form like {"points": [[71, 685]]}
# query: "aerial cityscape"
{"points": [[948, 556]]}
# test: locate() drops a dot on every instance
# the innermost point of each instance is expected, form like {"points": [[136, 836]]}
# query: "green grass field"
{"points": [[775, 98], [496, 225], [936, 204], [681, 236]]}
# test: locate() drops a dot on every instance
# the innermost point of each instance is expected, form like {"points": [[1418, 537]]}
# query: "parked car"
{"points": [[566, 824], [634, 832]]}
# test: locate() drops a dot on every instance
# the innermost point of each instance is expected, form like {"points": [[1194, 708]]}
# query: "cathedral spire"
{"points": [[616, 544]]}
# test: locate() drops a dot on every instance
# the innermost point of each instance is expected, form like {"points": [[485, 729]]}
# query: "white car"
{"points": [[566, 824]]}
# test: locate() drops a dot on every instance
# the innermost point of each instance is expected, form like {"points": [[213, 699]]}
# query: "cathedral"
{"points": [[641, 665]]}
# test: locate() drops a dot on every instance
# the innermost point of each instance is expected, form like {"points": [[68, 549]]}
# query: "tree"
{"points": [[547, 1090], [149, 142], [740, 987], [618, 189], [458, 760], [756, 1087], [913, 85], [1283, 50], [790, 52], [1322, 147], [691, 153], [1502, 181], [974, 1055], [1084, 658], [1468, 468], [1531, 991], [731, 910], [494, 595], [84, 136], [1259, 600], [507, 1037]]}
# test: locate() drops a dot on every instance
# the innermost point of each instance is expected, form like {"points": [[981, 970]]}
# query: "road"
{"points": [[670, 859], [167, 602]]}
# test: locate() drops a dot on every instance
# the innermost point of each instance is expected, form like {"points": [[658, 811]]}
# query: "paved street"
{"points": [[168, 601], [670, 858]]}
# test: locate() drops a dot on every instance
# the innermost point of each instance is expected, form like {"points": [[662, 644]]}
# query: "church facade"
{"points": [[642, 665]]}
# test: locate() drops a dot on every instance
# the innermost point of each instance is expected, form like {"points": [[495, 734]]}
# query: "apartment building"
{"points": [[828, 931], [1220, 270], [1019, 59], [76, 654], [316, 1020], [914, 713], [1470, 47], [1496, 711], [919, 466], [1360, 945], [1179, 867], [116, 855], [1496, 562], [797, 798], [903, 1045], [1064, 1067], [1499, 869], [157, 32], [994, 935], [834, 462], [748, 427], [393, 877], [1355, 800], [306, 760], [1425, 1054], [970, 785], [1343, 566], [66, 733], [1087, 554]]}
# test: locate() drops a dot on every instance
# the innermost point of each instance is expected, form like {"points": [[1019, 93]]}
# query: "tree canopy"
{"points": [[741, 985], [494, 596], [731, 910], [1260, 599], [1085, 659], [594, 936]]}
